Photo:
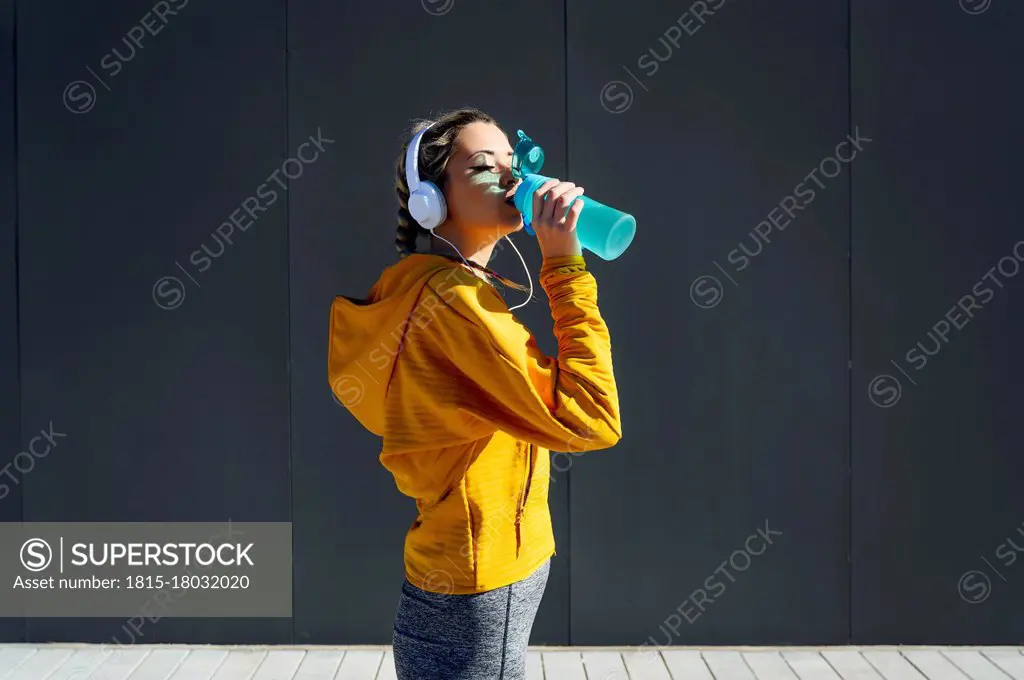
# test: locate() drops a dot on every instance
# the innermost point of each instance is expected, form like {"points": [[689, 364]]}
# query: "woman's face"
{"points": [[480, 182]]}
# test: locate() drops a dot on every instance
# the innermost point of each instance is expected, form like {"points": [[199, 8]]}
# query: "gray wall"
{"points": [[748, 378], [10, 436], [735, 412], [937, 471], [170, 414]]}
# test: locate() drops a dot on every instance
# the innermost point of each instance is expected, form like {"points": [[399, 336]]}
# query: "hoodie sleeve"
{"points": [[500, 376]]}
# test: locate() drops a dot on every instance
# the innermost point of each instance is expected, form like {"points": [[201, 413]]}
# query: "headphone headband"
{"points": [[412, 156]]}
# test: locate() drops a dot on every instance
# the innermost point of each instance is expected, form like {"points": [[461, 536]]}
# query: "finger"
{"points": [[547, 209], [574, 215], [538, 198], [554, 206], [564, 202]]}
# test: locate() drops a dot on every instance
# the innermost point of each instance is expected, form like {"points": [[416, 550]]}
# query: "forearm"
{"points": [[585, 383]]}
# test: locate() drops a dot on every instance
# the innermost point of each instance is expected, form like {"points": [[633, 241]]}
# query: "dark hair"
{"points": [[435, 151]]}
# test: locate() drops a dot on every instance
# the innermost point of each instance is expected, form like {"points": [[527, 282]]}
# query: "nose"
{"points": [[508, 180]]}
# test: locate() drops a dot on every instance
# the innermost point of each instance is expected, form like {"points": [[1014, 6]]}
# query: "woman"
{"points": [[468, 407]]}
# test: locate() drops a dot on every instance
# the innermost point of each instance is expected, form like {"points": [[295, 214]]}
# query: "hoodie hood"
{"points": [[365, 336]]}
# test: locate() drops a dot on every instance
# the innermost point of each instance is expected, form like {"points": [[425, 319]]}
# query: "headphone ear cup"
{"points": [[427, 206]]}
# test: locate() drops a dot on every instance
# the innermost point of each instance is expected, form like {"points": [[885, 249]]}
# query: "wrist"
{"points": [[559, 244], [568, 250]]}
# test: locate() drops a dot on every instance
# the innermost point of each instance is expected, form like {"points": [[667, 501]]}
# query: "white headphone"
{"points": [[426, 202]]}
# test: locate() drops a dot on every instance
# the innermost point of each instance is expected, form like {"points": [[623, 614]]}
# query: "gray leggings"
{"points": [[481, 636]]}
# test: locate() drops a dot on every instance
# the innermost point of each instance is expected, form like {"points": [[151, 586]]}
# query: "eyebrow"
{"points": [[487, 151]]}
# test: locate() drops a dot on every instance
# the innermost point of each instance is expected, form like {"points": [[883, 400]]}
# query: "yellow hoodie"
{"points": [[468, 408]]}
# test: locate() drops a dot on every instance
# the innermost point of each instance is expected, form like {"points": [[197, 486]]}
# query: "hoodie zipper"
{"points": [[524, 494]]}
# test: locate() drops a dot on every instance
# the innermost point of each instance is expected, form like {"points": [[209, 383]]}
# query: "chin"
{"points": [[511, 219]]}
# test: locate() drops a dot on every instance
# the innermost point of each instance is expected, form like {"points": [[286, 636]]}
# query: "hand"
{"points": [[556, 228]]}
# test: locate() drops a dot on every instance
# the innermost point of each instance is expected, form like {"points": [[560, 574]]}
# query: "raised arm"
{"points": [[563, 403]]}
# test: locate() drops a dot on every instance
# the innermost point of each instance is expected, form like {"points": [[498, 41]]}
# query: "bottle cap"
{"points": [[527, 157]]}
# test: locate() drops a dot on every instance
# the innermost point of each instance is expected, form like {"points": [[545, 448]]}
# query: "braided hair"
{"points": [[435, 150]]}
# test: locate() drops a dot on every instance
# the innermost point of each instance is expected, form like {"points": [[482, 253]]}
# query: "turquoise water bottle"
{"points": [[601, 229]]}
